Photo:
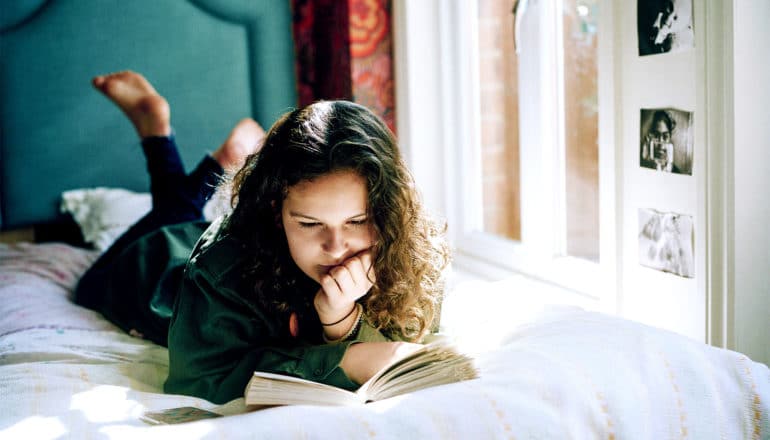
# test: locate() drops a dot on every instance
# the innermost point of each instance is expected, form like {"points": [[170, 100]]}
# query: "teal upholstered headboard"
{"points": [[216, 61]]}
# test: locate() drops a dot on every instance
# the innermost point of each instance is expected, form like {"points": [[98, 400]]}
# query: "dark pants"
{"points": [[176, 198]]}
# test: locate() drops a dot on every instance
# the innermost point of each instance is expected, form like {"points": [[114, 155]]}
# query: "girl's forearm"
{"points": [[364, 359]]}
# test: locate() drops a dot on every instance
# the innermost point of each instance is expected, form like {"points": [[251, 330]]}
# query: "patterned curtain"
{"points": [[344, 51]]}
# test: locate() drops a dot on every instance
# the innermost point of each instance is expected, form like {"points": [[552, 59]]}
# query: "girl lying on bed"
{"points": [[327, 268]]}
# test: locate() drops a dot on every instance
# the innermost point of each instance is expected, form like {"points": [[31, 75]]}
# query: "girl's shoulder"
{"points": [[216, 253]]}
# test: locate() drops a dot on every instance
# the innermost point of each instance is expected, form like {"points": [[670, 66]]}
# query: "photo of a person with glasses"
{"points": [[666, 140]]}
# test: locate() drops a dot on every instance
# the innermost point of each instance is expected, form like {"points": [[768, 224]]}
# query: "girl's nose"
{"points": [[335, 243]]}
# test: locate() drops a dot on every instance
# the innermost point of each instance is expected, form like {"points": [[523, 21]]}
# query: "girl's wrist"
{"points": [[339, 320], [345, 328], [328, 313]]}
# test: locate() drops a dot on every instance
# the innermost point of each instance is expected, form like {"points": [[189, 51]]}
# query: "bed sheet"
{"points": [[565, 373], [36, 283]]}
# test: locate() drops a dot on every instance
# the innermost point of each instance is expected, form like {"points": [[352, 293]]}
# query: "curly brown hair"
{"points": [[410, 253]]}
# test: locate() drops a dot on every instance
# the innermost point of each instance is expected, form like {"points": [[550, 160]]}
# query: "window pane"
{"points": [[499, 119], [581, 128]]}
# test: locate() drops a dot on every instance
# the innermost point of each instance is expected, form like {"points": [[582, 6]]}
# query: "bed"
{"points": [[66, 372]]}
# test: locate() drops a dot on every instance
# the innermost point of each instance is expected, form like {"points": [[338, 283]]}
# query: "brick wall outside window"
{"points": [[499, 119], [500, 124]]}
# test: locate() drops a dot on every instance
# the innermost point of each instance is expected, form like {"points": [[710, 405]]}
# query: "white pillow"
{"points": [[219, 203], [103, 214]]}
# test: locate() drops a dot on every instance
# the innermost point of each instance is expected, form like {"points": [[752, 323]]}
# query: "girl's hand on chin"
{"points": [[343, 285]]}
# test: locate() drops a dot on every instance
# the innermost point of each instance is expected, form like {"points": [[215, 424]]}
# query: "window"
{"points": [[528, 184], [581, 127], [499, 115], [577, 107], [532, 156]]}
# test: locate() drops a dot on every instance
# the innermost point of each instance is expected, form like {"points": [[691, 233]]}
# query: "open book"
{"points": [[437, 363]]}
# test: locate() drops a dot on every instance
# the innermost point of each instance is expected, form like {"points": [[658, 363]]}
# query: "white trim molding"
{"points": [[716, 103], [419, 96]]}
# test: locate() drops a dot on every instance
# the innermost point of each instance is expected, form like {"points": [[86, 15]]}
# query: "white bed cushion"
{"points": [[103, 214], [564, 373]]}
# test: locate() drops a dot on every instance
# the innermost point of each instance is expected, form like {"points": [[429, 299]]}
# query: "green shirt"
{"points": [[217, 337]]}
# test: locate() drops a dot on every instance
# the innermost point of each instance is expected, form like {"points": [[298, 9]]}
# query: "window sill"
{"points": [[469, 269]]}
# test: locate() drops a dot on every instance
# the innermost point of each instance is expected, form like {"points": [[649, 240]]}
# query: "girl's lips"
{"points": [[326, 269], [331, 266]]}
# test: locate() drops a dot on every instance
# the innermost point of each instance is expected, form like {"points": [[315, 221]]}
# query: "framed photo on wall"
{"points": [[666, 242], [664, 26], [666, 140]]}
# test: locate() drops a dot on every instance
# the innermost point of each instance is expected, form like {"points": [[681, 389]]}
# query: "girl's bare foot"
{"points": [[245, 139], [147, 110]]}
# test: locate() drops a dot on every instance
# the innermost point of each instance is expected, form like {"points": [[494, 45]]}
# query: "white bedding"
{"points": [[566, 373]]}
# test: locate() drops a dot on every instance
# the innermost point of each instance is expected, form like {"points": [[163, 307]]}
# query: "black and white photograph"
{"points": [[666, 140], [666, 242], [664, 26]]}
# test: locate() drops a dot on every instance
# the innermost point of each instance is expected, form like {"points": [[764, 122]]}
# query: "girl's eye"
{"points": [[308, 224], [359, 222]]}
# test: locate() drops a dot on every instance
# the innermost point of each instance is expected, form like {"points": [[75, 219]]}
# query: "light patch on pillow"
{"points": [[103, 214], [219, 203]]}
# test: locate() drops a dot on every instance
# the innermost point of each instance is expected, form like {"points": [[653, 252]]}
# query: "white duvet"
{"points": [[566, 373]]}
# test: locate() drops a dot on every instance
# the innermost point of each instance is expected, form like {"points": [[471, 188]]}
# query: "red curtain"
{"points": [[344, 51]]}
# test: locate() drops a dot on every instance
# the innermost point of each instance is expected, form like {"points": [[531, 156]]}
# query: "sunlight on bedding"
{"points": [[109, 408], [35, 427], [383, 406], [480, 315], [187, 431], [106, 403]]}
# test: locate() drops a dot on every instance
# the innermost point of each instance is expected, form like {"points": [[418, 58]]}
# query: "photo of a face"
{"points": [[664, 26], [666, 140]]}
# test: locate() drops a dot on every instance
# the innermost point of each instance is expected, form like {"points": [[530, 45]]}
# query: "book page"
{"points": [[435, 364], [277, 389], [431, 375]]}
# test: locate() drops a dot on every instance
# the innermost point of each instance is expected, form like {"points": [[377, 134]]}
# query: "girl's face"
{"points": [[326, 221]]}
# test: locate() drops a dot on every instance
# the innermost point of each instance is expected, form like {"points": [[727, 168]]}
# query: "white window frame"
{"points": [[436, 65]]}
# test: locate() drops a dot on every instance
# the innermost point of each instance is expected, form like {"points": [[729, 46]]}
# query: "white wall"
{"points": [[725, 81], [751, 155], [657, 81]]}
